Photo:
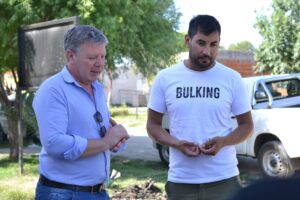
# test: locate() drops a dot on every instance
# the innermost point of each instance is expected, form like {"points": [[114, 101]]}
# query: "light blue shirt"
{"points": [[64, 112]]}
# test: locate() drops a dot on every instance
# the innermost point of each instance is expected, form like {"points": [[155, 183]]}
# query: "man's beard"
{"points": [[201, 62]]}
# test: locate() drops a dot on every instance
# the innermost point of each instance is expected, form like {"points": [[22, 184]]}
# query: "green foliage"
{"points": [[280, 49], [129, 116], [142, 31], [242, 46], [13, 194], [119, 111], [29, 119], [9, 167]]}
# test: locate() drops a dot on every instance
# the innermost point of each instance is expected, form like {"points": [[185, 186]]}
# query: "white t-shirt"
{"points": [[200, 106]]}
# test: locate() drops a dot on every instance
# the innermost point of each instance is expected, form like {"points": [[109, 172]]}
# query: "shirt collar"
{"points": [[69, 78]]}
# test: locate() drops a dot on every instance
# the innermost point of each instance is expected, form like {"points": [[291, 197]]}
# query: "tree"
{"points": [[242, 46], [142, 31], [280, 49]]}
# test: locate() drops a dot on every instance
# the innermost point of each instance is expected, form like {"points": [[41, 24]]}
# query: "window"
{"points": [[284, 88]]}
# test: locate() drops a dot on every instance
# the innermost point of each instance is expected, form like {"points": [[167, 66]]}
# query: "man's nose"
{"points": [[207, 50], [100, 62]]}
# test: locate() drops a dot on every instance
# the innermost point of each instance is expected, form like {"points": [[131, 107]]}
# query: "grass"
{"points": [[13, 186], [22, 187], [137, 172], [16, 187], [5, 143], [130, 116]]}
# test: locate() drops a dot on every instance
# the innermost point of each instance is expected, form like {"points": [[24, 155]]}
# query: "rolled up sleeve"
{"points": [[77, 148]]}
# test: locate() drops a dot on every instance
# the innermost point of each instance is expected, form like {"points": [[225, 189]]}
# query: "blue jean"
{"points": [[43, 192]]}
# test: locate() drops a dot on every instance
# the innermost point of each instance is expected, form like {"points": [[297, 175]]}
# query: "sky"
{"points": [[237, 17]]}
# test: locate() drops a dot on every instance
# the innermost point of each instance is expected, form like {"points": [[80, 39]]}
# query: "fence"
{"points": [[132, 97]]}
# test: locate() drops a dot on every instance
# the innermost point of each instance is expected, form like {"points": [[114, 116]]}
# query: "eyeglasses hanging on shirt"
{"points": [[99, 119]]}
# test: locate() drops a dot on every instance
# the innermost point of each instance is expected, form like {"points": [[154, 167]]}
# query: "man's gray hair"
{"points": [[81, 34]]}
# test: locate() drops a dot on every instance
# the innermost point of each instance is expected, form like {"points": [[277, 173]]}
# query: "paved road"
{"points": [[140, 146]]}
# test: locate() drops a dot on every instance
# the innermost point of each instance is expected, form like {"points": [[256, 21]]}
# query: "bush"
{"points": [[30, 120], [119, 110]]}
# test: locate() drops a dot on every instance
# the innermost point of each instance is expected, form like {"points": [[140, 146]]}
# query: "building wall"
{"points": [[129, 88], [241, 61]]}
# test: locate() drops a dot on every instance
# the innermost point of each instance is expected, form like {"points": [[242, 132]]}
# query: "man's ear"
{"points": [[69, 55], [188, 40]]}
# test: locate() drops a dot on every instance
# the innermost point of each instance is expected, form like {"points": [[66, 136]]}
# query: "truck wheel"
{"points": [[274, 161], [164, 154]]}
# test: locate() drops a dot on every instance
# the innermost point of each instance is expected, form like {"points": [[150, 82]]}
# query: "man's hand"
{"points": [[189, 148], [112, 122], [115, 136], [212, 146], [118, 146], [121, 142]]}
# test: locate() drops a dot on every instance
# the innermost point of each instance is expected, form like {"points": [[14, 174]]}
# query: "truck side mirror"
{"points": [[260, 95]]}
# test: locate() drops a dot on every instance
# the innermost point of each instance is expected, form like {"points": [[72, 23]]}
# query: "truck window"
{"points": [[293, 87], [284, 88]]}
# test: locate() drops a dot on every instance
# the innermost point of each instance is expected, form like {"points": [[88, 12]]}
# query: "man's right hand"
{"points": [[118, 146], [189, 148], [112, 140], [115, 136]]}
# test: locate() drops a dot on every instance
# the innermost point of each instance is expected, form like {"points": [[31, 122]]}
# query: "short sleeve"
{"points": [[241, 102], [157, 95]]}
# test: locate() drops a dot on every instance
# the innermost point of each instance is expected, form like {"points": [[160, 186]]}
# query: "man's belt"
{"points": [[93, 189]]}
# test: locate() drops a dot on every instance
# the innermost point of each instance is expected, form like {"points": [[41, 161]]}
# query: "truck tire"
{"points": [[164, 154], [274, 161]]}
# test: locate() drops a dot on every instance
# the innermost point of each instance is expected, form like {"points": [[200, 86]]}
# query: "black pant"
{"points": [[220, 190]]}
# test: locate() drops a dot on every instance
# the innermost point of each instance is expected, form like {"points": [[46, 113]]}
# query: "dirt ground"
{"points": [[147, 190]]}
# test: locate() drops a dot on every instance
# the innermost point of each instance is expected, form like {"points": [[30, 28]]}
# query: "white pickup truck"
{"points": [[275, 141]]}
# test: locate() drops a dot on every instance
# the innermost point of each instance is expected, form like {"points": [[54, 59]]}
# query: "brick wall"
{"points": [[241, 61]]}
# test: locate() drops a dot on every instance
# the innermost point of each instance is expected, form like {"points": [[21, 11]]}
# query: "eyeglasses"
{"points": [[98, 118]]}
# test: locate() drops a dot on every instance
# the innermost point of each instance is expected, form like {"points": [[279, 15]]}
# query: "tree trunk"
{"points": [[13, 136]]}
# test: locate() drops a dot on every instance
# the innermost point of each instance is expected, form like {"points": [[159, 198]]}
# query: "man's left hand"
{"points": [[212, 146]]}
